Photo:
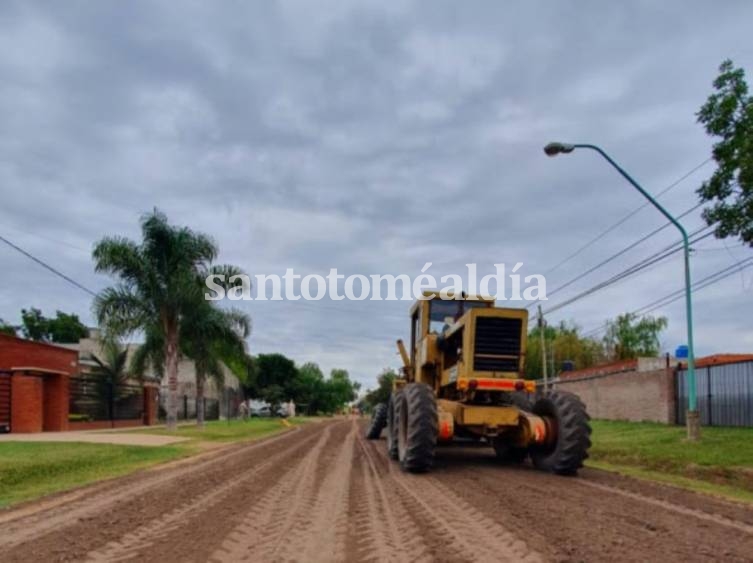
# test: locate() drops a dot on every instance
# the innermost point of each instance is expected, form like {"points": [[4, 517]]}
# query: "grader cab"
{"points": [[463, 378]]}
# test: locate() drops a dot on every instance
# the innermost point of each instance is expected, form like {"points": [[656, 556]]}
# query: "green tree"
{"points": [[161, 280], [34, 325], [309, 385], [563, 343], [63, 328], [275, 378], [727, 116], [629, 336], [339, 390], [212, 337], [7, 328], [384, 388], [209, 336]]}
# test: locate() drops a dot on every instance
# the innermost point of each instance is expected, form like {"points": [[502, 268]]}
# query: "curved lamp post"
{"points": [[693, 422]]}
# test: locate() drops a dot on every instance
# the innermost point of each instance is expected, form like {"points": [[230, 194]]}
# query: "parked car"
{"points": [[259, 409]]}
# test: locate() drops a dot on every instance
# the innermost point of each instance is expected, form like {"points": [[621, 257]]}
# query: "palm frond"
{"points": [[119, 310]]}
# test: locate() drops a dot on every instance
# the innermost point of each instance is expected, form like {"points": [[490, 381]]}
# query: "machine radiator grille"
{"points": [[497, 344]]}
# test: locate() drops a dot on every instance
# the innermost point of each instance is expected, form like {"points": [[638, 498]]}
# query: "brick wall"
{"points": [[628, 395], [39, 400], [56, 393], [150, 405], [17, 352], [26, 406]]}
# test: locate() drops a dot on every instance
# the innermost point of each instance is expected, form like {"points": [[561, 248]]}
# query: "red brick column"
{"points": [[56, 392], [150, 404], [27, 400]]}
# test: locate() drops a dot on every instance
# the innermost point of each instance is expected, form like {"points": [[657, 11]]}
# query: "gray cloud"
{"points": [[363, 136]]}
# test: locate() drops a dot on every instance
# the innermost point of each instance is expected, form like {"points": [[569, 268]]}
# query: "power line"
{"points": [[655, 258], [47, 266], [680, 293], [620, 253], [626, 217]]}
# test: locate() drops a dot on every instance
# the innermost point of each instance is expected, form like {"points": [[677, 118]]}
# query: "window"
{"points": [[443, 312]]}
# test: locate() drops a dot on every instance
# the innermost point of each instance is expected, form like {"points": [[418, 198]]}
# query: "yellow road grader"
{"points": [[463, 378]]}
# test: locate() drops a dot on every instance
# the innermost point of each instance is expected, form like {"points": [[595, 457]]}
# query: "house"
{"points": [[34, 385]]}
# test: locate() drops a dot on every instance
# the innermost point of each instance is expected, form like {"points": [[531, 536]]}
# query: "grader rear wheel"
{"points": [[417, 427], [571, 433]]}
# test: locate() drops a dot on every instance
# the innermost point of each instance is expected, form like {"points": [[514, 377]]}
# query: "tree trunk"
{"points": [[200, 379], [171, 359]]}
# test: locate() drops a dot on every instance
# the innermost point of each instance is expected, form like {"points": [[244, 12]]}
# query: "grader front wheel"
{"points": [[417, 427], [570, 433], [392, 424], [378, 422]]}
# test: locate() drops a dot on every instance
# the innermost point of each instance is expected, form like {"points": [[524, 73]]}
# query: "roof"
{"points": [[33, 369], [36, 343], [721, 359]]}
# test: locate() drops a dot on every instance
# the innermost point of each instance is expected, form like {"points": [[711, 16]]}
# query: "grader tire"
{"points": [[573, 433], [378, 422], [392, 425], [416, 414]]}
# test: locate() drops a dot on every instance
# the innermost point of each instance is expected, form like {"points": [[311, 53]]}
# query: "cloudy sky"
{"points": [[371, 137]]}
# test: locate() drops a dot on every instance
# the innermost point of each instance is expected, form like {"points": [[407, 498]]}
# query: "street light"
{"points": [[693, 423]]}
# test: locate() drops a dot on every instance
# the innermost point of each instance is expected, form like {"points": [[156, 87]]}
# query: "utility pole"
{"points": [[553, 366], [543, 350]]}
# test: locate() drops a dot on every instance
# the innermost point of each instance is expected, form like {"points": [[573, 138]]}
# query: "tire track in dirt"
{"points": [[666, 505], [109, 495], [324, 493], [268, 526], [321, 532], [570, 519], [380, 528], [452, 528], [80, 536], [153, 531]]}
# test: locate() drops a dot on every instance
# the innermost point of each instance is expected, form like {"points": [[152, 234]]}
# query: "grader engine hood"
{"points": [[497, 343], [485, 348]]}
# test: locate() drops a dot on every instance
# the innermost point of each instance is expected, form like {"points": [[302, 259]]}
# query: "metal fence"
{"points": [[725, 394], [93, 398], [188, 407], [5, 401]]}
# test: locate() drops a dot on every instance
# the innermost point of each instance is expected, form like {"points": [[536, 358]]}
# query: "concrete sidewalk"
{"points": [[95, 437]]}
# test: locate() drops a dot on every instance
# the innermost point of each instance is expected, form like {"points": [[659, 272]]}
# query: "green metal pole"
{"points": [[692, 401]]}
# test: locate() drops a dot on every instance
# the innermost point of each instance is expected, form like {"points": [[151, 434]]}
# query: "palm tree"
{"points": [[210, 337], [111, 373], [161, 281]]}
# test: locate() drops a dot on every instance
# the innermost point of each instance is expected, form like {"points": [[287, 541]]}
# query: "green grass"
{"points": [[30, 470], [722, 460], [227, 431], [33, 469]]}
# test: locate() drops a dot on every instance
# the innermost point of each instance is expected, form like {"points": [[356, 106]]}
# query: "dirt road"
{"points": [[323, 493]]}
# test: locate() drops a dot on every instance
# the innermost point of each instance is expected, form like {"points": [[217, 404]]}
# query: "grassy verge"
{"points": [[227, 431], [34, 469], [30, 470], [721, 463]]}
